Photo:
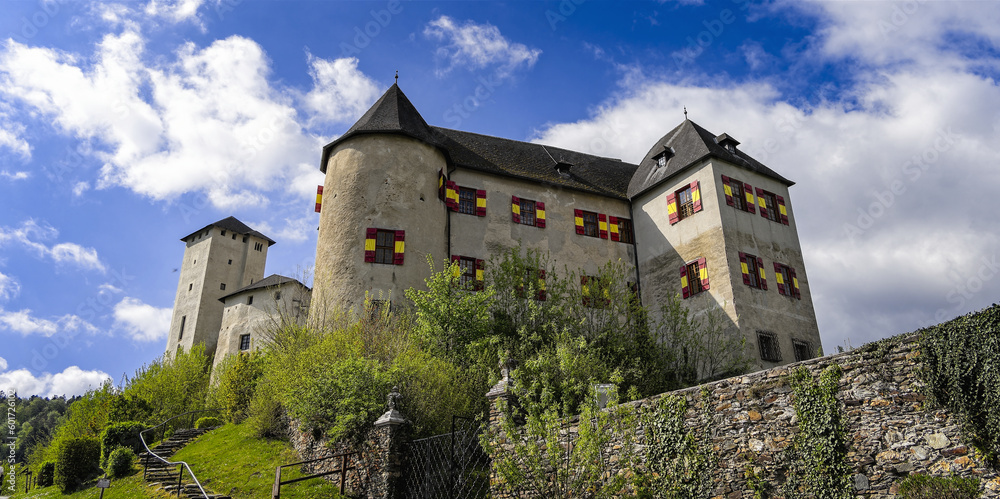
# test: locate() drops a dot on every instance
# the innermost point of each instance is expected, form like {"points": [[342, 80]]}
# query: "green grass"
{"points": [[230, 461], [130, 487]]}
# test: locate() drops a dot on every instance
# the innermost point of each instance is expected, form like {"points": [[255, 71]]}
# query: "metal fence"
{"points": [[449, 466]]}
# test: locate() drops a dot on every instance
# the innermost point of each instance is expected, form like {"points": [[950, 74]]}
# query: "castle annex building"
{"points": [[697, 217]]}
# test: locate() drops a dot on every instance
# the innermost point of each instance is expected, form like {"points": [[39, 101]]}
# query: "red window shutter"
{"points": [[695, 196], [602, 224], [481, 203], [515, 209], [578, 218], [370, 235], [685, 287], [748, 193], [319, 198], [397, 257], [762, 202], [744, 268], [480, 274], [728, 190], [540, 215], [451, 195], [795, 284], [703, 271], [763, 276], [782, 211], [441, 185], [672, 209], [541, 284], [782, 286], [613, 227]]}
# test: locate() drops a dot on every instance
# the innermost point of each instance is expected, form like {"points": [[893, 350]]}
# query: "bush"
{"points": [[120, 462], [207, 422], [46, 474], [936, 487], [121, 435], [76, 462], [236, 380]]}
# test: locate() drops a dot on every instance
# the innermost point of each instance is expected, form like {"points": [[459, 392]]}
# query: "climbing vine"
{"points": [[960, 359], [819, 455], [679, 462]]}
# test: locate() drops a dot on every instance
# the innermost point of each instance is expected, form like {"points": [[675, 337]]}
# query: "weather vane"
{"points": [[685, 110], [397, 76]]}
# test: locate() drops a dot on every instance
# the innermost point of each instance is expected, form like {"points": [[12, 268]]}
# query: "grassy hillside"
{"points": [[131, 487], [230, 461]]}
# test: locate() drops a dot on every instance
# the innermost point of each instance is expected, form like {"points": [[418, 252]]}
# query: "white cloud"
{"points": [[15, 175], [70, 382], [206, 119], [9, 287], [24, 322], [3, 364], [142, 322], [477, 46], [80, 187], [30, 232], [175, 11], [340, 92]]}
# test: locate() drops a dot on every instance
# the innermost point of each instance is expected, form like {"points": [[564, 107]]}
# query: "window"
{"points": [[739, 194], [769, 348], [258, 246], [377, 309], [234, 236], [277, 295], [802, 350], [223, 232], [467, 269], [753, 271], [190, 286], [250, 300], [661, 161], [694, 278], [527, 212], [685, 203], [532, 279], [244, 342], [621, 230], [594, 291], [466, 201], [739, 197], [590, 224], [769, 210], [244, 238], [385, 246], [230, 261], [788, 283], [222, 286], [183, 321], [694, 282]]}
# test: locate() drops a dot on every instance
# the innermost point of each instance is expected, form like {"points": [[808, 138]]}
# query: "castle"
{"points": [[697, 217]]}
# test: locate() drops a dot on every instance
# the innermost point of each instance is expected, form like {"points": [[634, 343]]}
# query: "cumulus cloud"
{"points": [[174, 11], [205, 120], [340, 91], [24, 322], [14, 175], [3, 364], [892, 181], [9, 287], [70, 382], [29, 235], [477, 46], [142, 322]]}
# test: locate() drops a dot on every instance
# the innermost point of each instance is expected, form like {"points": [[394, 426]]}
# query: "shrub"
{"points": [[120, 462], [76, 462], [237, 377], [121, 435], [46, 474], [207, 422], [935, 487]]}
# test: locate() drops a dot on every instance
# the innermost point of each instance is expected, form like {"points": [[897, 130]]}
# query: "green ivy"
{"points": [[961, 371], [919, 486], [819, 456], [679, 463]]}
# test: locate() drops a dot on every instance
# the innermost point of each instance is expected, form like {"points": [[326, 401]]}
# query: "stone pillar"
{"points": [[392, 434], [503, 404]]}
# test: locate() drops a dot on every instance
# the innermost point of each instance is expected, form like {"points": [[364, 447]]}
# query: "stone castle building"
{"points": [[697, 217]]}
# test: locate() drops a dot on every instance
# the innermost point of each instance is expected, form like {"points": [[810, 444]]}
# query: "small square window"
{"points": [[527, 212], [234, 236], [223, 232], [250, 300], [590, 227], [803, 351], [277, 295], [244, 238], [222, 286], [685, 203], [244, 342], [769, 348], [466, 201], [625, 232]]}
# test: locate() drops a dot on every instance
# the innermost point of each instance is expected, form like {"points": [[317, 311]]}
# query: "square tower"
{"points": [[219, 259]]}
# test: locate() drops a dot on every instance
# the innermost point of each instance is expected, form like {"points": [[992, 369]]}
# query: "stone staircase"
{"points": [[164, 476]]}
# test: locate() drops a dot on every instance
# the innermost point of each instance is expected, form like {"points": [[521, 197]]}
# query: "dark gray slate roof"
{"points": [[234, 225], [691, 143], [267, 282]]}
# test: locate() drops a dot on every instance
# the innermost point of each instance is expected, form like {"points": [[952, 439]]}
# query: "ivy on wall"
{"points": [[679, 462], [819, 454], [961, 370]]}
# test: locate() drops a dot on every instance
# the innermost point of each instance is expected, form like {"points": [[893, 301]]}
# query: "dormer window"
{"points": [[563, 167], [728, 142], [662, 158]]}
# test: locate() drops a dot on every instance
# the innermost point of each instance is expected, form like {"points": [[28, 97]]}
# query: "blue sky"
{"points": [[125, 126]]}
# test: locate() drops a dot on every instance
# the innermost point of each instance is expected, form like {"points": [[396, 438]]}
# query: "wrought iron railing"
{"points": [[182, 466], [344, 468]]}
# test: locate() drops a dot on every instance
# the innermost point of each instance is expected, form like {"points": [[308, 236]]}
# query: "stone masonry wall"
{"points": [[890, 433]]}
